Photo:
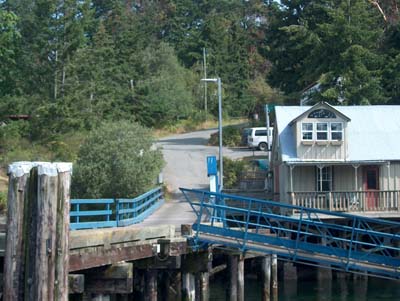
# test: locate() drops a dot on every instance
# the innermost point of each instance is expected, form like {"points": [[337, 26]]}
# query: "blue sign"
{"points": [[211, 166]]}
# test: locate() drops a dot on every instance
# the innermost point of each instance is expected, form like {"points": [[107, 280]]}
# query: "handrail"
{"points": [[104, 213], [362, 244]]}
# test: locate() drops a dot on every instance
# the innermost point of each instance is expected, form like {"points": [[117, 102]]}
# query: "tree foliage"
{"points": [[117, 160], [72, 64]]}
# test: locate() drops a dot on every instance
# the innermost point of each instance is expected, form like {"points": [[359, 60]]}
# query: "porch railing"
{"points": [[347, 201]]}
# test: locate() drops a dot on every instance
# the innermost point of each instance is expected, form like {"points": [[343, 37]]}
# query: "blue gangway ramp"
{"points": [[335, 240]]}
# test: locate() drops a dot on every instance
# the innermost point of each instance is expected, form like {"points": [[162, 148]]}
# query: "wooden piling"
{"points": [[240, 293], [151, 285], [174, 285], [274, 271], [37, 232], [205, 286], [14, 263], [188, 287], [266, 278], [62, 233], [233, 276]]}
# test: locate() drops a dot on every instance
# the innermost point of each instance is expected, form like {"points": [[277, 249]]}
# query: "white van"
{"points": [[257, 138]]}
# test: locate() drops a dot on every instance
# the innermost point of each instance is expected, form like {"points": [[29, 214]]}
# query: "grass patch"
{"points": [[189, 125]]}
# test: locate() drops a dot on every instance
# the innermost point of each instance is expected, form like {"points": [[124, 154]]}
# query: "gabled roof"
{"points": [[373, 134], [319, 106]]}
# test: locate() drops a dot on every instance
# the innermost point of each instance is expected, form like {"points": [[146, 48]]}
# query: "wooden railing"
{"points": [[103, 213], [347, 201]]}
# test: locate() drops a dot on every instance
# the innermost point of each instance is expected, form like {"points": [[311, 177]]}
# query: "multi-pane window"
{"points": [[336, 131], [307, 131], [322, 131], [324, 178]]}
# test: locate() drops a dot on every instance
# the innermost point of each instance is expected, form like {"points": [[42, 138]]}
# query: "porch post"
{"points": [[389, 195], [319, 201], [356, 166], [291, 177], [320, 167], [294, 202]]}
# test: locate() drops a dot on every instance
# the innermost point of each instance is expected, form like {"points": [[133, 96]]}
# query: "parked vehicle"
{"points": [[257, 138], [245, 134]]}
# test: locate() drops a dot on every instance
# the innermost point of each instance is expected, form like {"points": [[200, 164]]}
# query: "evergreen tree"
{"points": [[9, 38], [331, 42]]}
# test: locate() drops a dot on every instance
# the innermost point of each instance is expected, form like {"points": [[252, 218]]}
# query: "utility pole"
{"points": [[205, 83]]}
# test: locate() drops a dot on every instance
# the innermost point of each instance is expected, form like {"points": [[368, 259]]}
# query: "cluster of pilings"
{"points": [[36, 254], [185, 278]]}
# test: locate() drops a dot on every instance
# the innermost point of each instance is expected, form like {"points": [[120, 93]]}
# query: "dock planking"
{"points": [[99, 247]]}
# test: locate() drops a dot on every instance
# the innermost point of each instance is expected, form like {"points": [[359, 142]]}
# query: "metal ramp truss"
{"points": [[339, 241]]}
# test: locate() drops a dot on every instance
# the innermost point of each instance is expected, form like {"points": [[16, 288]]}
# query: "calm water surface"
{"points": [[303, 290]]}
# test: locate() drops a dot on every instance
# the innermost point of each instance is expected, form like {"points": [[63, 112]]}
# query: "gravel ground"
{"points": [[185, 156]]}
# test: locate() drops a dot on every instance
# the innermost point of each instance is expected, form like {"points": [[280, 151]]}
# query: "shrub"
{"points": [[3, 201], [116, 160], [232, 171], [231, 136]]}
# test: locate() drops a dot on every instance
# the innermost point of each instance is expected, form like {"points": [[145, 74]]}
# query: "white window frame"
{"points": [[326, 176], [336, 131], [322, 131], [308, 131]]}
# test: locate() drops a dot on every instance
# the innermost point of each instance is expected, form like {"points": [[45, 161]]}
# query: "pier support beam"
{"points": [[233, 277], [266, 278], [240, 279], [236, 280], [290, 281], [174, 285], [274, 271], [324, 279], [204, 292], [188, 287], [202, 286], [151, 285]]}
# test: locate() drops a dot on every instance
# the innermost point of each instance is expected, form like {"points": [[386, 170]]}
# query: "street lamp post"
{"points": [[221, 163]]}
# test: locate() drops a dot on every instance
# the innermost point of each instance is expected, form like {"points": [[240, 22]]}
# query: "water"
{"points": [[345, 289]]}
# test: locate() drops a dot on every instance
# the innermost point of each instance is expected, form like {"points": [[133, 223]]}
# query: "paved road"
{"points": [[185, 156]]}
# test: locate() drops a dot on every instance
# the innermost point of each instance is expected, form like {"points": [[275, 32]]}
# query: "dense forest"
{"points": [[72, 64]]}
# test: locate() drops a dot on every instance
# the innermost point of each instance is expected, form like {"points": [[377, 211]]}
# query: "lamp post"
{"points": [[221, 163]]}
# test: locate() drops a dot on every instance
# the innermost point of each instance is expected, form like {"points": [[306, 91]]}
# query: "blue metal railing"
{"points": [[103, 213], [351, 243]]}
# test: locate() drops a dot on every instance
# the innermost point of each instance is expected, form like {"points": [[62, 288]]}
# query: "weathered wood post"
{"points": [[36, 259], [274, 270], [233, 277], [14, 264], [240, 287], [266, 278], [188, 287], [151, 285], [290, 280]]}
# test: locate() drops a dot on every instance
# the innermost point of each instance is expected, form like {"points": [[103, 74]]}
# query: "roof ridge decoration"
{"points": [[321, 104]]}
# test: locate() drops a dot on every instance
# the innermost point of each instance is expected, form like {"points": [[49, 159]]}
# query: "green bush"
{"points": [[3, 201], [232, 171], [231, 136], [117, 160]]}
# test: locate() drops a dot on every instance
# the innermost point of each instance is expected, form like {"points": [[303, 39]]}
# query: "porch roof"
{"points": [[332, 162], [372, 134]]}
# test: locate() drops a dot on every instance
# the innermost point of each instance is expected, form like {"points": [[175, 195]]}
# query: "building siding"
{"points": [[320, 150]]}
